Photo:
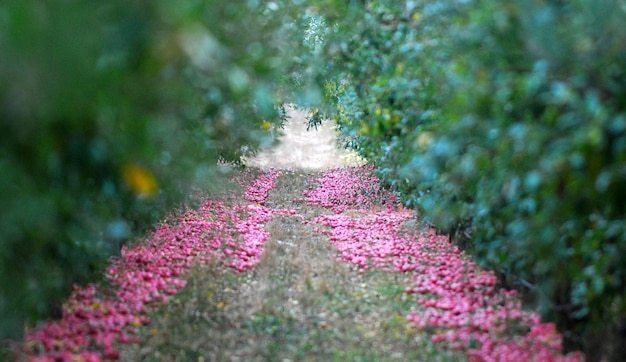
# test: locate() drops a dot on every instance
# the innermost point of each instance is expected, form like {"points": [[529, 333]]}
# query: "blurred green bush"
{"points": [[110, 113], [504, 123]]}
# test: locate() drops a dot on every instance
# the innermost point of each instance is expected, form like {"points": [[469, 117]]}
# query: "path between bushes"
{"points": [[298, 303], [296, 265]]}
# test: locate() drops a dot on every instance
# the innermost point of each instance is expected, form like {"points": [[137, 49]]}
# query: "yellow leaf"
{"points": [[140, 180]]}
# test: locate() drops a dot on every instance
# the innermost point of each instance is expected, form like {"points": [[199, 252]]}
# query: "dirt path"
{"points": [[298, 304], [316, 149]]}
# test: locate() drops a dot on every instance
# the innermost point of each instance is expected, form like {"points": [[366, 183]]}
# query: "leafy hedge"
{"points": [[504, 123], [110, 113]]}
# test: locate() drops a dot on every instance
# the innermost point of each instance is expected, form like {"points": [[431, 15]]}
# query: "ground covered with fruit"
{"points": [[290, 265]]}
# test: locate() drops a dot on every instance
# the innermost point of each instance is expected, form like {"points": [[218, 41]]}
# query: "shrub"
{"points": [[504, 124]]}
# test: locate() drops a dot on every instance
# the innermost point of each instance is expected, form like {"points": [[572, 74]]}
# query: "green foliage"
{"points": [[504, 121], [110, 113]]}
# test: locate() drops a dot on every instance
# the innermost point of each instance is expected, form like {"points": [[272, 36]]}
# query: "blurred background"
{"points": [[502, 123]]}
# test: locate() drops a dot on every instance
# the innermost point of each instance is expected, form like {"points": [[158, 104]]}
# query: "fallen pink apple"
{"points": [[458, 299], [95, 318]]}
